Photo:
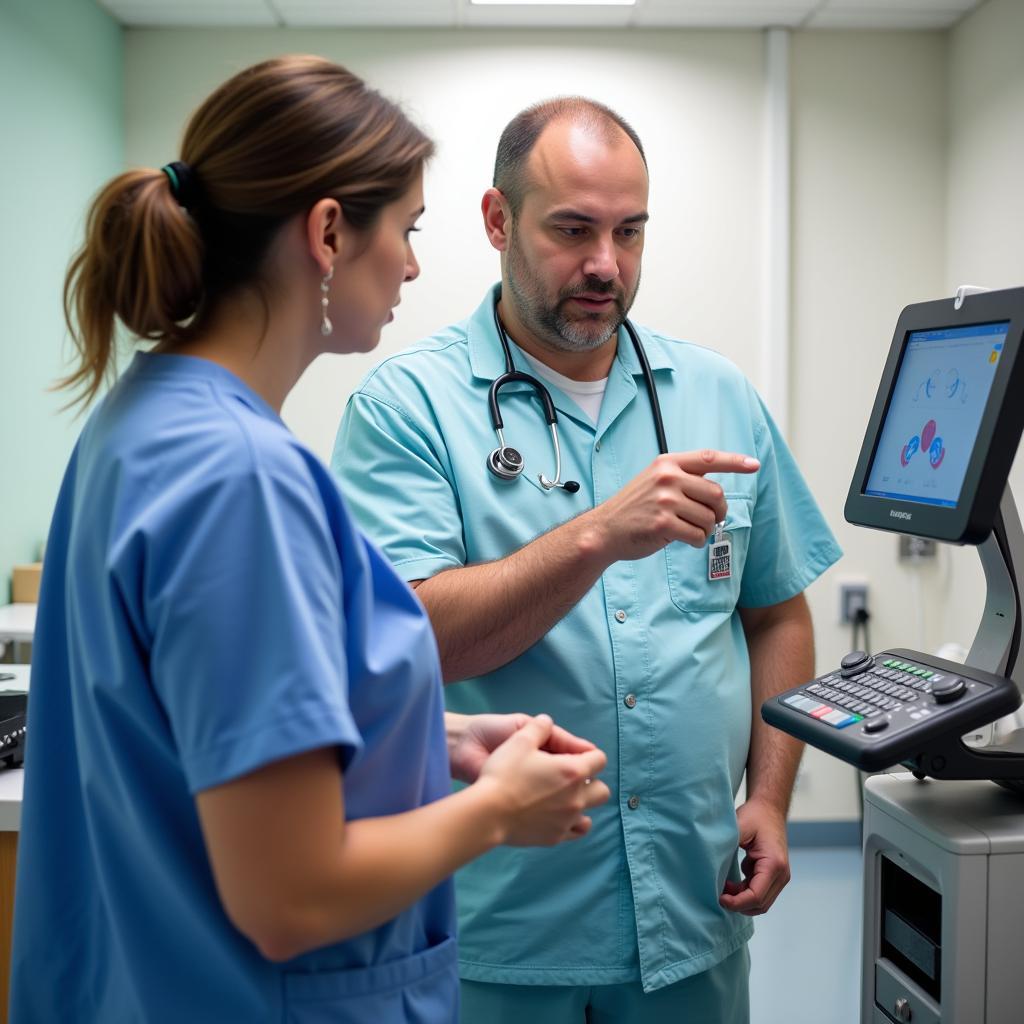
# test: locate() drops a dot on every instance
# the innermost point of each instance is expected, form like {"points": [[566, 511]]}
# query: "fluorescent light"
{"points": [[553, 3]]}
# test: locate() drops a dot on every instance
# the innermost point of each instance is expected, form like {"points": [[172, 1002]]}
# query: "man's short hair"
{"points": [[521, 134]]}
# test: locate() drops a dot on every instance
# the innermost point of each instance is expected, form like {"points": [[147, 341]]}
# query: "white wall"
{"points": [[986, 148], [868, 237], [985, 223], [871, 145]]}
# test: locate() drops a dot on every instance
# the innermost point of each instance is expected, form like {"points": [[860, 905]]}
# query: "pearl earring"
{"points": [[326, 327]]}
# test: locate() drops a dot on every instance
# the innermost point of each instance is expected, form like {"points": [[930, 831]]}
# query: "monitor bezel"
{"points": [[999, 432]]}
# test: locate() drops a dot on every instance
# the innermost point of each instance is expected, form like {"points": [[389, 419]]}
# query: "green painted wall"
{"points": [[61, 136]]}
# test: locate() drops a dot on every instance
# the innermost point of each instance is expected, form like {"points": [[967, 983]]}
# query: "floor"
{"points": [[805, 954]]}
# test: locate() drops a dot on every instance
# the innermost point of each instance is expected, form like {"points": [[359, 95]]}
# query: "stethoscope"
{"points": [[506, 462]]}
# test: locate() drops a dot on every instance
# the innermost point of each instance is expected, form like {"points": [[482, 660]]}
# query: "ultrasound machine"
{"points": [[944, 833]]}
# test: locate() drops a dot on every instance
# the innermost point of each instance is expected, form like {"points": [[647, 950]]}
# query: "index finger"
{"points": [[750, 895], [589, 763], [708, 460], [747, 901], [561, 741]]}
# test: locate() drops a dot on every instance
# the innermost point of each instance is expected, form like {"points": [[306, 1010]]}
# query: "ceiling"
{"points": [[741, 14]]}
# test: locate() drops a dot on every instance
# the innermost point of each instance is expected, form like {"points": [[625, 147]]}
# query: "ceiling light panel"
{"points": [[546, 16], [552, 3]]}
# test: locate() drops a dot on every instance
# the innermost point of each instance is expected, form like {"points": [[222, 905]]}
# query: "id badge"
{"points": [[720, 555]]}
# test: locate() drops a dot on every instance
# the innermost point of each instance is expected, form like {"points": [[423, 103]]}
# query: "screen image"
{"points": [[929, 431]]}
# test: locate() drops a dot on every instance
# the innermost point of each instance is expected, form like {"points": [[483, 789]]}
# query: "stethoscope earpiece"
{"points": [[572, 486], [505, 463]]}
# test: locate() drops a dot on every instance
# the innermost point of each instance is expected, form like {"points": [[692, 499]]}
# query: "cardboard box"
{"points": [[25, 583]]}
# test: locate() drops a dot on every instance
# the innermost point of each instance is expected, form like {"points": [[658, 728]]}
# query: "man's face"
{"points": [[573, 257]]}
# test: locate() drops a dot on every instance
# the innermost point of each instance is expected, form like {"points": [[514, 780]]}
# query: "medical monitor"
{"points": [[946, 420]]}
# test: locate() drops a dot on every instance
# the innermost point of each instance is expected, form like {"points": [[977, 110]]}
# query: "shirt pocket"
{"points": [[418, 989], [687, 567]]}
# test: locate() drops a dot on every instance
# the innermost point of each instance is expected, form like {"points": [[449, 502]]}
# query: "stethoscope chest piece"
{"points": [[505, 463]]}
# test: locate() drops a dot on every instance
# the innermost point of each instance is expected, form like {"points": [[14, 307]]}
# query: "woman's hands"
{"points": [[542, 777], [473, 738]]}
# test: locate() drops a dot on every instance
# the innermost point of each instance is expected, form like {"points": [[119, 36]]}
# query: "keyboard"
{"points": [[875, 711]]}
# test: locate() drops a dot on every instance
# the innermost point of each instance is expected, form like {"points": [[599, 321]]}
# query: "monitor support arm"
{"points": [[995, 649], [997, 644]]}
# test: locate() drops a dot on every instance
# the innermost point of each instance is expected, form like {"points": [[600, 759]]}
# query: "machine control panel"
{"points": [[879, 710]]}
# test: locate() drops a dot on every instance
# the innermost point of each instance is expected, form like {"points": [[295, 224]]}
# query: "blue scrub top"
{"points": [[651, 664], [208, 607]]}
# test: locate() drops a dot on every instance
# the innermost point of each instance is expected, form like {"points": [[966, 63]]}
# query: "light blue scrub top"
{"points": [[638, 897], [208, 607]]}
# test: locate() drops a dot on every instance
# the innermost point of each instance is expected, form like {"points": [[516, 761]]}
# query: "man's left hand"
{"points": [[472, 739], [765, 868]]}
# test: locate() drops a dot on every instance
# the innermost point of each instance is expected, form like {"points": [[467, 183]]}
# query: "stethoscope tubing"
{"points": [[512, 375]]}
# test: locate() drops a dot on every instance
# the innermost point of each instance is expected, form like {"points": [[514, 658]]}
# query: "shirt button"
{"points": [[630, 700], [633, 802], [620, 616], [597, 446]]}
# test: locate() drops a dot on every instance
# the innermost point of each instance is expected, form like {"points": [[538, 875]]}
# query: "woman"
{"points": [[237, 800]]}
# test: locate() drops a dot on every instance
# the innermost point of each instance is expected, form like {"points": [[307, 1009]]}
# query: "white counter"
{"points": [[20, 680], [17, 622], [11, 782], [17, 625]]}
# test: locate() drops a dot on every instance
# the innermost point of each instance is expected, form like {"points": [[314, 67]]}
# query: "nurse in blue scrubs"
{"points": [[237, 799]]}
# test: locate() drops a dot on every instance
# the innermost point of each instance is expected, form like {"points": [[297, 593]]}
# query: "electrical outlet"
{"points": [[853, 595], [916, 549]]}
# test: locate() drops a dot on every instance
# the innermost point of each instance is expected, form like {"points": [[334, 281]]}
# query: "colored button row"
{"points": [[858, 700], [833, 716], [924, 673]]}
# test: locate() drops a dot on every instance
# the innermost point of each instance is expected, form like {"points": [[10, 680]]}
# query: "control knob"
{"points": [[948, 691], [855, 662]]}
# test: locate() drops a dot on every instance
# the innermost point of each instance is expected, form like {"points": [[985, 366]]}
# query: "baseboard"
{"points": [[823, 833]]}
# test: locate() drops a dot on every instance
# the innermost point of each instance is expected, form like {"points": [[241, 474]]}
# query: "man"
{"points": [[605, 604]]}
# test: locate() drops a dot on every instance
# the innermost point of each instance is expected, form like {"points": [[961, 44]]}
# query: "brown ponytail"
{"points": [[266, 145], [141, 264]]}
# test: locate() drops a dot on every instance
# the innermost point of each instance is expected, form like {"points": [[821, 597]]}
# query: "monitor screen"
{"points": [[928, 434]]}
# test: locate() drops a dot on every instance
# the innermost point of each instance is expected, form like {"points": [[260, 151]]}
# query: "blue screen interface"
{"points": [[930, 428]]}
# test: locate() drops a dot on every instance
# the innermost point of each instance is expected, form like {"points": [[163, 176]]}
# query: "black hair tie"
{"points": [[184, 183]]}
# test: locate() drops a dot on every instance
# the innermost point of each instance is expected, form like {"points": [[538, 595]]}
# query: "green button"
{"points": [[921, 672], [889, 663]]}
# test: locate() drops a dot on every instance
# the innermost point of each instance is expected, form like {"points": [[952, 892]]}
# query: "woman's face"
{"points": [[366, 287]]}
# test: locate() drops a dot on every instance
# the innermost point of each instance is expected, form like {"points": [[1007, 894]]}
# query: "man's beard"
{"points": [[551, 324]]}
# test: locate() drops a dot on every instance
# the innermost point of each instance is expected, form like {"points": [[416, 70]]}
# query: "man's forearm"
{"points": [[485, 615], [781, 656]]}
